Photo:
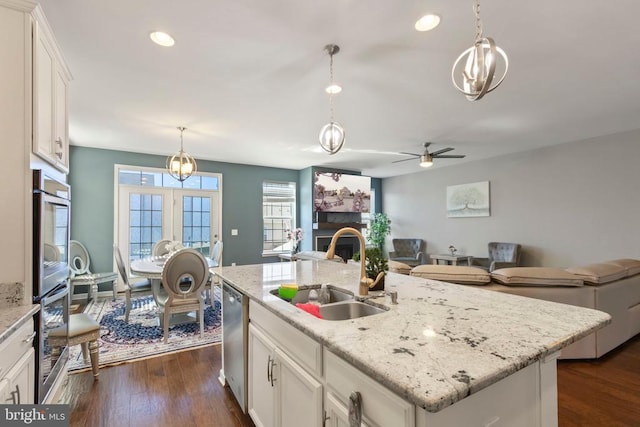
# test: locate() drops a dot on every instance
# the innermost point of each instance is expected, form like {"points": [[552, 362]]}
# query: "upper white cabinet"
{"points": [[50, 86]]}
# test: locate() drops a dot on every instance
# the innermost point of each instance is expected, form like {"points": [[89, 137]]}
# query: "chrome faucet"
{"points": [[365, 282]]}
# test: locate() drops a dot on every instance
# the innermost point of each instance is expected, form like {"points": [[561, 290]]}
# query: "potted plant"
{"points": [[375, 263], [379, 228]]}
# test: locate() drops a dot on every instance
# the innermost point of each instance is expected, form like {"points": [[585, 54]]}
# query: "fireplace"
{"points": [[345, 246]]}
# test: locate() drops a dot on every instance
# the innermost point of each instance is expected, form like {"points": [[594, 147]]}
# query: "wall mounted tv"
{"points": [[339, 192]]}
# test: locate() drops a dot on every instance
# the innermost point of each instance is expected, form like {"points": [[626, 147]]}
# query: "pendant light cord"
{"points": [[331, 84], [476, 9]]}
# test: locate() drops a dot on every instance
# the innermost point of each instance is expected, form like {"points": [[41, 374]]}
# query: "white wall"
{"points": [[570, 204]]}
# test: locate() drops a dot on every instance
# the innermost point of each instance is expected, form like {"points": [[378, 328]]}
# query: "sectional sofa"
{"points": [[611, 286]]}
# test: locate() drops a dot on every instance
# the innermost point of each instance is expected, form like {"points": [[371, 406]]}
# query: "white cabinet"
{"points": [[337, 414], [378, 406], [281, 392], [20, 381], [17, 367], [261, 393], [50, 86]]}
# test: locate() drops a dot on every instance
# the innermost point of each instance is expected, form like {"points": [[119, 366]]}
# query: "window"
{"points": [[279, 216]]}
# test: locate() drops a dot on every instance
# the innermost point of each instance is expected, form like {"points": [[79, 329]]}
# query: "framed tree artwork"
{"points": [[468, 200]]}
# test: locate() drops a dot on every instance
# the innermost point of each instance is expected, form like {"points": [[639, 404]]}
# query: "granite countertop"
{"points": [[11, 318], [440, 343]]}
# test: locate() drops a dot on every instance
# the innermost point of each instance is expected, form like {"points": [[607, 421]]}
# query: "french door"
{"points": [[147, 215]]}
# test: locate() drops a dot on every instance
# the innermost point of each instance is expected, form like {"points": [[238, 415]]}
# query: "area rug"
{"points": [[142, 337]]}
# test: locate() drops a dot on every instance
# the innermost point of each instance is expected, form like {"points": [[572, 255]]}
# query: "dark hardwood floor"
{"points": [[182, 390], [603, 392]]}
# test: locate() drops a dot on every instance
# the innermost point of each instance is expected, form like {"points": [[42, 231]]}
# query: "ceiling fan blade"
{"points": [[411, 154], [444, 150], [449, 156], [403, 160]]}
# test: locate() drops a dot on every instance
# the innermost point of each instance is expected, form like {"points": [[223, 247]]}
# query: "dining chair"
{"points": [[184, 276], [214, 280], [132, 285], [79, 263], [161, 247]]}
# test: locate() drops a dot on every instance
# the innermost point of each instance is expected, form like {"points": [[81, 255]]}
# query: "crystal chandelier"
{"points": [[331, 134], [181, 165], [480, 64]]}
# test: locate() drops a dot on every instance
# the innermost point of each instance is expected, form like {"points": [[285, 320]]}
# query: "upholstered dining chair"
{"points": [[131, 285], [79, 263], [161, 247], [408, 251], [501, 255], [184, 276]]}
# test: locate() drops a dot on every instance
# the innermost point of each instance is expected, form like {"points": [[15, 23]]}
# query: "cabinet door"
{"points": [[337, 415], [43, 96], [298, 394], [261, 382], [61, 137], [5, 392], [21, 380]]}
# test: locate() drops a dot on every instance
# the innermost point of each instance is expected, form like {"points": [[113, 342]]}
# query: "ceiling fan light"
{"points": [[426, 161]]}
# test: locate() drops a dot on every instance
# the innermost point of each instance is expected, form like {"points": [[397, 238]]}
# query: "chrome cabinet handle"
{"points": [[269, 369], [15, 394], [59, 141], [273, 363], [355, 409], [29, 338]]}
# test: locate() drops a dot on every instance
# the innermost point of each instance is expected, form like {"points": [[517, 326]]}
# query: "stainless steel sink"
{"points": [[311, 293], [349, 310]]}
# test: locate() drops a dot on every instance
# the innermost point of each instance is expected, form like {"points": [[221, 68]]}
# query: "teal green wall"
{"points": [[91, 179]]}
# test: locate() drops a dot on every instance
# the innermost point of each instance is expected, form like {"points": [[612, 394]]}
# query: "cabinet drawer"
{"points": [[303, 349], [15, 346], [380, 406]]}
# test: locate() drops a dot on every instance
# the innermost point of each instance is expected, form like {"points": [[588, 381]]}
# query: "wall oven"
{"points": [[51, 233]]}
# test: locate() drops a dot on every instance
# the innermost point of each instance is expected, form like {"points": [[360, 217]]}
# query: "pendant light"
{"points": [[181, 165], [480, 65], [331, 134]]}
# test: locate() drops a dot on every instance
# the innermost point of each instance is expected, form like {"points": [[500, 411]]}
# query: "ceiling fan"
{"points": [[426, 158]]}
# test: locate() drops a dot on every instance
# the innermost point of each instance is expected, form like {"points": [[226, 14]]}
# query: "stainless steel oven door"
{"points": [[54, 313]]}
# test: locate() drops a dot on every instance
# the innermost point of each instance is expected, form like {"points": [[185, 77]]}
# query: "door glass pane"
{"points": [[145, 223], [196, 232]]}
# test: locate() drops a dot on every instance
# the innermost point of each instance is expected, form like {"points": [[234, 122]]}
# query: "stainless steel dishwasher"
{"points": [[235, 321]]}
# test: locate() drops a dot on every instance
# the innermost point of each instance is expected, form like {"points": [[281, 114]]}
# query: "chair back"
{"points": [[504, 252], [51, 252], [161, 247], [407, 247], [185, 266], [122, 269], [216, 253], [78, 258]]}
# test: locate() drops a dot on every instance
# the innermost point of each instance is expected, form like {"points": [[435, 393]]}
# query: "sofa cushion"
{"points": [[399, 267], [632, 265], [535, 276], [599, 273], [453, 273]]}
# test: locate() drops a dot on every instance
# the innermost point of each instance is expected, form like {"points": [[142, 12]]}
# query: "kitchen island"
{"points": [[434, 350]]}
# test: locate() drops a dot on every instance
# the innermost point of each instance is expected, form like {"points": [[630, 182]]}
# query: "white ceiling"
{"points": [[247, 77]]}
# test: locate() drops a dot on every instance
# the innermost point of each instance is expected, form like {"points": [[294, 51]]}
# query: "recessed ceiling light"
{"points": [[163, 39], [427, 22], [333, 89]]}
